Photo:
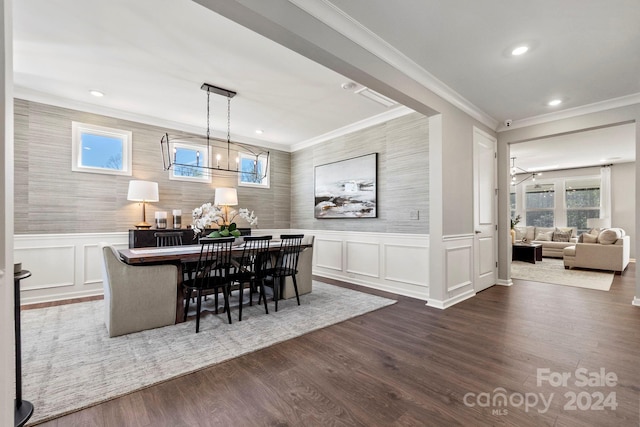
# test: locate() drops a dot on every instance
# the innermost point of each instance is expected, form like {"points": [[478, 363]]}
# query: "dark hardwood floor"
{"points": [[411, 365]]}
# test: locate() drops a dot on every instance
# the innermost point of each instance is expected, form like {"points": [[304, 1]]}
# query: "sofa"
{"points": [[553, 239], [606, 249]]}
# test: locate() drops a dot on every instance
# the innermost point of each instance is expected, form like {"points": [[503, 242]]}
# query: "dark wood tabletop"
{"points": [[177, 254]]}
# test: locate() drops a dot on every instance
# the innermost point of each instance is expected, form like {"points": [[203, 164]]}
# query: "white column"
{"points": [[7, 347]]}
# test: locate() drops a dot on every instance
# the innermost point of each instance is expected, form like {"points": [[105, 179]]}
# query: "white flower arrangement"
{"points": [[208, 215]]}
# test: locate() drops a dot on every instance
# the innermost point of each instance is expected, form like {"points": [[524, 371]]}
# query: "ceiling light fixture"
{"points": [[519, 50], [225, 152], [554, 102], [515, 170], [259, 131], [96, 93]]}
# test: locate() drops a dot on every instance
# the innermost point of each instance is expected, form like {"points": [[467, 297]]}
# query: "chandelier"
{"points": [[210, 155], [515, 171]]}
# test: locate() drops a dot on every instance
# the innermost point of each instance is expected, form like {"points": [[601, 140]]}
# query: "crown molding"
{"points": [[344, 24], [57, 101], [353, 127], [595, 107]]}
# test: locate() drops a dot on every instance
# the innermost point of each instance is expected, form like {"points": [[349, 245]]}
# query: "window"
{"points": [[187, 163], [249, 163], [583, 201], [99, 149], [539, 205]]}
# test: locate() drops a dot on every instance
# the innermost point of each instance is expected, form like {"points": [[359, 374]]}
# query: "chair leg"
{"points": [[295, 287], [225, 293], [216, 301], [262, 296], [198, 305], [240, 298], [186, 307], [276, 290]]}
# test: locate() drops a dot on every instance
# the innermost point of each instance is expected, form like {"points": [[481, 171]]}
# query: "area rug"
{"points": [[551, 270], [70, 363]]}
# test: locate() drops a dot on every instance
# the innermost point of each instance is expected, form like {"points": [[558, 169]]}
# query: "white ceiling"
{"points": [[150, 58]]}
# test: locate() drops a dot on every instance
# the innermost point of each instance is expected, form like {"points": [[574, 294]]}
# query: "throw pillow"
{"points": [[569, 230], [544, 237], [589, 238], [609, 236], [561, 236], [520, 232]]}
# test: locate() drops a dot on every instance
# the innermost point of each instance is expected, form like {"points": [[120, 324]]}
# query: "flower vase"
{"points": [[513, 236]]}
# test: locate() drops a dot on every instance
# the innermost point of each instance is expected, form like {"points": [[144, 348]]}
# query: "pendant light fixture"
{"points": [[223, 157], [514, 171]]}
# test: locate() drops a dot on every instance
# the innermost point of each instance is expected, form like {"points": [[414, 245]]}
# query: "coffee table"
{"points": [[529, 252]]}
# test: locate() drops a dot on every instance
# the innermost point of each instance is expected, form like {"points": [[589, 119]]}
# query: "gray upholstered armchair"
{"points": [[137, 298]]}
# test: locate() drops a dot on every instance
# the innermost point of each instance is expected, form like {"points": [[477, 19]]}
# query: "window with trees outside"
{"points": [[582, 198], [540, 205], [99, 149]]}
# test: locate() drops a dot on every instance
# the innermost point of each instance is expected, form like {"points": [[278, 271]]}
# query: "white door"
{"points": [[485, 197]]}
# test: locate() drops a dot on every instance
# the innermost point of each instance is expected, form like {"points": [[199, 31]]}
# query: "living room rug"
{"points": [[70, 363], [551, 270]]}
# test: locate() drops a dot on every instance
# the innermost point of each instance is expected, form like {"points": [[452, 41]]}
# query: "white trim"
{"points": [[344, 24], [636, 301], [451, 301], [595, 107], [353, 127], [503, 282]]}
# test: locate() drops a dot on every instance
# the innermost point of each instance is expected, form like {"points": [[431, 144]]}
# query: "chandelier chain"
{"points": [[208, 115], [228, 119]]}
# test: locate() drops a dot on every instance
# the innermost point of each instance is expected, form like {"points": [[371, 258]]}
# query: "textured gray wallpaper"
{"points": [[403, 176], [50, 198]]}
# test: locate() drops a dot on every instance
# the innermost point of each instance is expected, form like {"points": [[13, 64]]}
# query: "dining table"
{"points": [[178, 256]]}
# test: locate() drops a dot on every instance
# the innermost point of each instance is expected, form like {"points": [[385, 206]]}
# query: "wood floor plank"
{"points": [[413, 365]]}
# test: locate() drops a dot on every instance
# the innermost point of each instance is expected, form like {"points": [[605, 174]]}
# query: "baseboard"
{"points": [[636, 301], [503, 282], [374, 285], [451, 301]]}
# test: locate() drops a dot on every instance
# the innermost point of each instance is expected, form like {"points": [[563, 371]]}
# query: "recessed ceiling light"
{"points": [[259, 131], [519, 50], [348, 85], [96, 93], [554, 102]]}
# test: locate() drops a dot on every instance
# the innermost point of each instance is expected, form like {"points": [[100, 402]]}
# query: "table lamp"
{"points": [[143, 191], [225, 197]]}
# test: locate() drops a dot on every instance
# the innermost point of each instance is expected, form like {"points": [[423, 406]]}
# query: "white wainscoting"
{"points": [[458, 261], [397, 263], [65, 266], [62, 266]]}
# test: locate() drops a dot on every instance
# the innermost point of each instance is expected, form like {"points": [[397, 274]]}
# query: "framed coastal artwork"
{"points": [[347, 188]]}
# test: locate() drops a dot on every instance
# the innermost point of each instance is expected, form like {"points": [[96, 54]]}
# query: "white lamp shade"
{"points": [[226, 196], [143, 191]]}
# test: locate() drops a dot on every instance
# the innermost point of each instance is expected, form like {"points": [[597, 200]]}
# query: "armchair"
{"points": [[137, 298]]}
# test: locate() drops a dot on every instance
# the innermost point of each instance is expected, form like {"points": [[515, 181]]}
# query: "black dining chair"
{"points": [[211, 275], [168, 238], [250, 269], [285, 265]]}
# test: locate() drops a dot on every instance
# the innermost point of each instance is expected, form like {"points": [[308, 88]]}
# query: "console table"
{"points": [[146, 238]]}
